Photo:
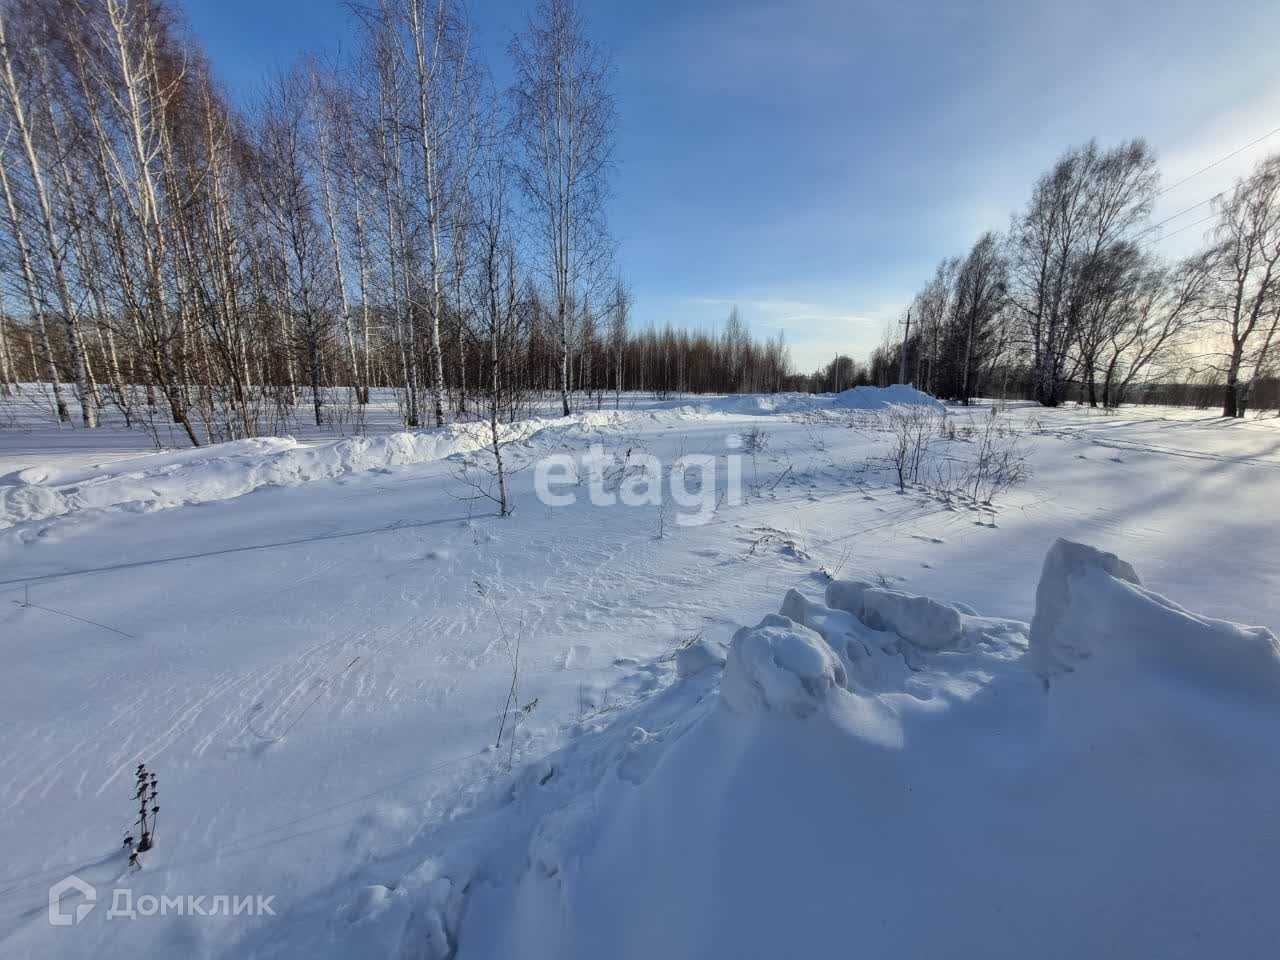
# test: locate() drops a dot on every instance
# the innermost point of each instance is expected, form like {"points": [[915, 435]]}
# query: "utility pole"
{"points": [[902, 359]]}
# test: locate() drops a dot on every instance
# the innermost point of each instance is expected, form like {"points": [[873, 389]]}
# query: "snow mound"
{"points": [[227, 470], [837, 627], [924, 621], [1090, 605], [881, 398], [780, 665], [959, 810]]}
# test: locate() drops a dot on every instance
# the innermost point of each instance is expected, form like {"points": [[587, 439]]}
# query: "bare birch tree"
{"points": [[497, 308], [563, 118], [55, 246], [445, 88], [1090, 200], [1245, 305]]}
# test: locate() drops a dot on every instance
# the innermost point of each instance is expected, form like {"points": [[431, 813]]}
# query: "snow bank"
{"points": [[1091, 606], [224, 471], [233, 469], [967, 806], [881, 398], [218, 472]]}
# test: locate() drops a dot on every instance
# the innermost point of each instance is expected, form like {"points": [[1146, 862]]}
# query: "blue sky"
{"points": [[811, 160]]}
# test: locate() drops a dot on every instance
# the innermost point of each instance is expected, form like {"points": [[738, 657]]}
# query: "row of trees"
{"points": [[392, 220], [388, 220], [1072, 300]]}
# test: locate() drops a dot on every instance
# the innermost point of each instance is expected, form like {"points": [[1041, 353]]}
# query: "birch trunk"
{"points": [[33, 300], [55, 251]]}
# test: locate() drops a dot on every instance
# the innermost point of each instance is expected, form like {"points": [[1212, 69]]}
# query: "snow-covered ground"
{"points": [[310, 643]]}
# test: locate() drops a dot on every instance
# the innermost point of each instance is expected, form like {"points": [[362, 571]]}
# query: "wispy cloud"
{"points": [[817, 158]]}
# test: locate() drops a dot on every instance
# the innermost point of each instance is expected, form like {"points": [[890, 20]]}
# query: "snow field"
{"points": [[227, 470], [316, 676]]}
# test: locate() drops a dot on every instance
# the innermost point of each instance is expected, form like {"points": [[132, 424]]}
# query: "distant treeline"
{"points": [[1072, 303]]}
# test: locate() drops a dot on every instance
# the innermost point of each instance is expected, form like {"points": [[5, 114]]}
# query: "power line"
{"points": [[1194, 206], [1174, 233], [1233, 153], [1223, 191], [1157, 226]]}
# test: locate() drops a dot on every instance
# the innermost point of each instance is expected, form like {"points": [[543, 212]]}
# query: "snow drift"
{"points": [[896, 776], [223, 471], [226, 470], [1091, 605], [219, 472]]}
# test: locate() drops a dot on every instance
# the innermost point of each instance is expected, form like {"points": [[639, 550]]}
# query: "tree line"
{"points": [[386, 220], [392, 220], [1072, 301]]}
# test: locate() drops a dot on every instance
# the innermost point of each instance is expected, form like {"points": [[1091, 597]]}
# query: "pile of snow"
{"points": [[227, 470], [922, 620], [899, 777], [780, 665], [881, 398], [1091, 606]]}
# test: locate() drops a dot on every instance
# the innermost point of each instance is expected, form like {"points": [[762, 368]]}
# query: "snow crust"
{"points": [[698, 656]]}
